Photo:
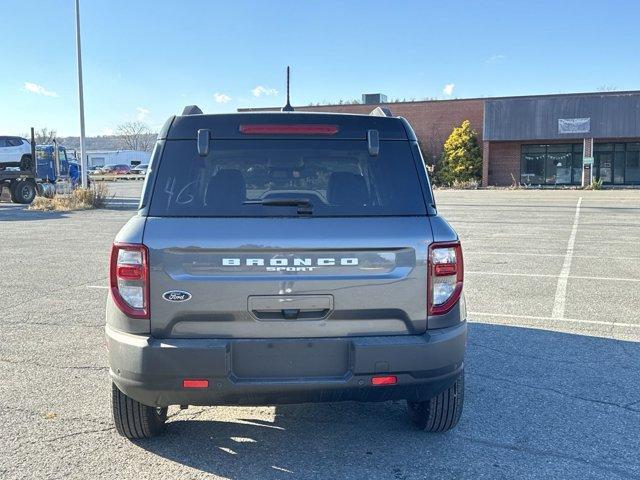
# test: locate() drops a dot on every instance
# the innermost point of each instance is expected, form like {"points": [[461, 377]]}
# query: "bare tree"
{"points": [[432, 147], [43, 136], [136, 136]]}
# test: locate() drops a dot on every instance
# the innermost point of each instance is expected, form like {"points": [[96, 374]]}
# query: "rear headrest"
{"points": [[226, 189], [347, 189]]}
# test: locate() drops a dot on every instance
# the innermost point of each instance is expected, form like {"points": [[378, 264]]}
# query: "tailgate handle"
{"points": [[302, 307], [290, 313]]}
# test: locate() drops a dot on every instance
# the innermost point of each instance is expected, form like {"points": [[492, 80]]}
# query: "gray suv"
{"points": [[285, 258]]}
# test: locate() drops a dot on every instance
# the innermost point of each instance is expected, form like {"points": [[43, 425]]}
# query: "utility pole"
{"points": [[83, 158]]}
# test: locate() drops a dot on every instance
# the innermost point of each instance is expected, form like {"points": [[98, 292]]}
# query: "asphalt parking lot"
{"points": [[553, 362]]}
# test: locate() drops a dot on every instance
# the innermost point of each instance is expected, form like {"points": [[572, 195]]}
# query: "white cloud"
{"points": [[38, 89], [495, 59], [448, 89], [260, 90], [221, 97], [142, 113]]}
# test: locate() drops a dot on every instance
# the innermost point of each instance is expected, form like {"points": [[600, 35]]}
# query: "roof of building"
{"points": [[389, 104]]}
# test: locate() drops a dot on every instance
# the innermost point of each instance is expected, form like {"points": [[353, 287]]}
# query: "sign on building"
{"points": [[574, 125]]}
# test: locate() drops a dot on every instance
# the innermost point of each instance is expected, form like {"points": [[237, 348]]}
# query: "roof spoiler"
{"points": [[381, 112], [191, 110]]}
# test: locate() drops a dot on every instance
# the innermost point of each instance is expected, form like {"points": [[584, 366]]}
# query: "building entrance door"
{"points": [[603, 166]]}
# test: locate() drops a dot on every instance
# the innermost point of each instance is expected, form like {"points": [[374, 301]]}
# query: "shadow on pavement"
{"points": [[539, 404], [19, 213]]}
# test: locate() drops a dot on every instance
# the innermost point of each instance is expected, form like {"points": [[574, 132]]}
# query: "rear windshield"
{"points": [[264, 178]]}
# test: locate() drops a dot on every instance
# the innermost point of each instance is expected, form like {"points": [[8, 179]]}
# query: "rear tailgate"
{"points": [[287, 277]]}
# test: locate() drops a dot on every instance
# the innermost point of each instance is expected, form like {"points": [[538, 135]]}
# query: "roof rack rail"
{"points": [[191, 110], [381, 112]]}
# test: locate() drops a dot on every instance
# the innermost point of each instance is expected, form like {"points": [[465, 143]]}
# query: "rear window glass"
{"points": [[245, 178]]}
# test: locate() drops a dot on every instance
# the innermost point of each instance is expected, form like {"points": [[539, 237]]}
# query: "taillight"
{"points": [[302, 129], [445, 277], [129, 279]]}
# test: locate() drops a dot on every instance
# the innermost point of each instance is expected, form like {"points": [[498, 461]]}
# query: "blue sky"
{"points": [[146, 59]]}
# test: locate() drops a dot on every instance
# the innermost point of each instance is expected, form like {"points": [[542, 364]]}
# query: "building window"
{"points": [[632, 171], [576, 169], [617, 163], [532, 168], [556, 164]]}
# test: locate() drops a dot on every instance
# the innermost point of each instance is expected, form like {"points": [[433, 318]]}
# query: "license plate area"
{"points": [[289, 359]]}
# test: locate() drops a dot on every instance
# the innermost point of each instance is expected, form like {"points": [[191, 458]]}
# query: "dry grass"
{"points": [[595, 185], [79, 199], [472, 184]]}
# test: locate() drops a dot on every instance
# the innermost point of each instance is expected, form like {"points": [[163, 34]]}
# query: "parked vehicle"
{"points": [[120, 169], [46, 163], [75, 174], [285, 258], [140, 169], [18, 177], [14, 152]]}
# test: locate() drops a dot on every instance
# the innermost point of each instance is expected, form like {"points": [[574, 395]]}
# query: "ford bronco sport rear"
{"points": [[283, 258]]}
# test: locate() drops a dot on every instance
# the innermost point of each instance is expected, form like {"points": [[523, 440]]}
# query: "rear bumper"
{"points": [[280, 371]]}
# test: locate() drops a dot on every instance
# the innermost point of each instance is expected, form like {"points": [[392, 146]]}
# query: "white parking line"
{"points": [[536, 254], [97, 286], [561, 290], [553, 319], [546, 275]]}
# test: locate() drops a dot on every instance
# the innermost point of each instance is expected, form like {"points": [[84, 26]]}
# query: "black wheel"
{"points": [[25, 163], [23, 191], [442, 412], [133, 419]]}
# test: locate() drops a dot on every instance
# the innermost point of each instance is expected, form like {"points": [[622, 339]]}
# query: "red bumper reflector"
{"points": [[301, 129], [388, 380], [193, 383]]}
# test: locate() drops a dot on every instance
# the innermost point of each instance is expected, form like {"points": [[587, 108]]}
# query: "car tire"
{"points": [[134, 420], [442, 412], [23, 192]]}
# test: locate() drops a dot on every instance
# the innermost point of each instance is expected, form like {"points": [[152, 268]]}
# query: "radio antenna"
{"points": [[287, 107]]}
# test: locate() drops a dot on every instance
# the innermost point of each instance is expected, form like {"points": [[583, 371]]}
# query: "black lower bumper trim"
{"points": [[241, 372]]}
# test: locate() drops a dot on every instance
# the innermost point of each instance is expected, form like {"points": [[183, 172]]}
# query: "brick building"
{"points": [[537, 140]]}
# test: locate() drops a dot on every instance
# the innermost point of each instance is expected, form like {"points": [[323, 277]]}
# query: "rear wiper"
{"points": [[304, 206]]}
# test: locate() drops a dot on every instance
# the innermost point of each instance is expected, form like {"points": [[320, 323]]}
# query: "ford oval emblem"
{"points": [[176, 296]]}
